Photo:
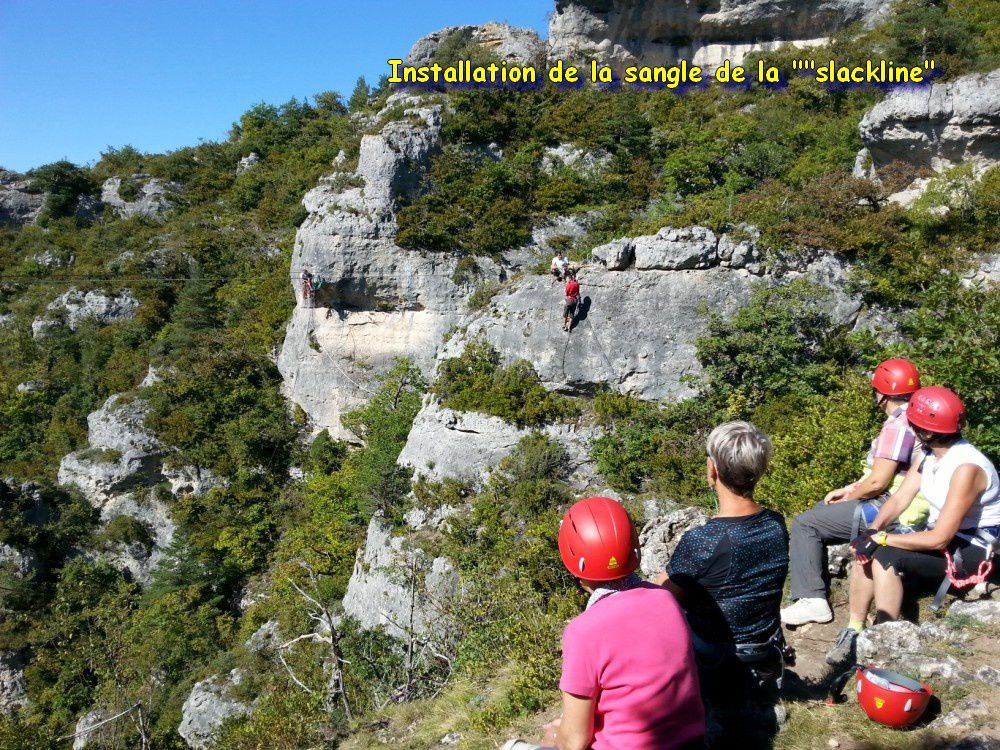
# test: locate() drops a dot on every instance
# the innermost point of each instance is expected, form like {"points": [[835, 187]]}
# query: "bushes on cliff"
{"points": [[476, 381]]}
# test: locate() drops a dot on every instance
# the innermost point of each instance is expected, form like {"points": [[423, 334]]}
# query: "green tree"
{"points": [[64, 183], [359, 97]]}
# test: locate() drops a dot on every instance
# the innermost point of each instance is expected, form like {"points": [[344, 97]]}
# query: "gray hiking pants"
{"points": [[823, 524]]}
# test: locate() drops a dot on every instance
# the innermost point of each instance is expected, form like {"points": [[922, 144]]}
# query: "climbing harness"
{"points": [[985, 538], [766, 661]]}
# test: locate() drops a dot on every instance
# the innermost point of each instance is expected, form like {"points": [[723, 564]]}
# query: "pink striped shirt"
{"points": [[895, 442]]}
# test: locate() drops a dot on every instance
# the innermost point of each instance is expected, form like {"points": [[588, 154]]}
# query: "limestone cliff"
{"points": [[378, 301], [631, 32]]}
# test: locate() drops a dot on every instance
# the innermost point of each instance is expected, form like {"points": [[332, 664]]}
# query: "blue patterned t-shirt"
{"points": [[732, 572]]}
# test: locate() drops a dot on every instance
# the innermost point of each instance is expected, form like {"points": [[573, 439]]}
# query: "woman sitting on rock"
{"points": [[729, 573], [963, 491], [628, 678]]}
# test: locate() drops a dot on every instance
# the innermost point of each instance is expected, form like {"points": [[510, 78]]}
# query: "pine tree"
{"points": [[359, 97]]}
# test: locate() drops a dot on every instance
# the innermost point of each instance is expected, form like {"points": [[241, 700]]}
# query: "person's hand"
{"points": [[864, 546], [835, 496], [660, 578], [551, 731]]}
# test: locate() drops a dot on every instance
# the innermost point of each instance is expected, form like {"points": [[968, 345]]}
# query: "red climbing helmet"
{"points": [[896, 377], [936, 409], [890, 698], [597, 540]]}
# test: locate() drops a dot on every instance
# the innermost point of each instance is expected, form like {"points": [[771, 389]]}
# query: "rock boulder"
{"points": [[152, 196], [660, 537], [632, 32], [208, 706], [13, 689], [515, 45]]}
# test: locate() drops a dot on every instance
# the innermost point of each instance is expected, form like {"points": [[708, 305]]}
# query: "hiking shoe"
{"points": [[809, 609], [844, 650]]}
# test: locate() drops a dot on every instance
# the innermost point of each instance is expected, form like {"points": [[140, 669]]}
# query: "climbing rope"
{"points": [[981, 575]]}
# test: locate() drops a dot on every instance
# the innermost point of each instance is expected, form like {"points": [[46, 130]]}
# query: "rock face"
{"points": [[13, 691], [18, 206], [247, 163], [209, 705], [568, 155], [515, 45], [632, 32], [151, 200], [378, 301], [122, 455], [74, 307], [933, 128], [643, 306], [447, 444], [396, 587], [85, 722], [117, 472], [660, 537]]}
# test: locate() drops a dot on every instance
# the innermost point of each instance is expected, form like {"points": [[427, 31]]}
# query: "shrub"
{"points": [[819, 448], [476, 381]]}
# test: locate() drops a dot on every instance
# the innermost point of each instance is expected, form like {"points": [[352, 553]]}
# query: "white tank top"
{"points": [[935, 479]]}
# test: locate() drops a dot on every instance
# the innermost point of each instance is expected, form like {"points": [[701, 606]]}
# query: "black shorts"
{"points": [[570, 309], [930, 564]]}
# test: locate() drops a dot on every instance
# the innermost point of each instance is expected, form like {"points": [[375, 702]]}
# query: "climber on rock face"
{"points": [[729, 573], [307, 287], [628, 675], [845, 511], [572, 293], [559, 265], [963, 492]]}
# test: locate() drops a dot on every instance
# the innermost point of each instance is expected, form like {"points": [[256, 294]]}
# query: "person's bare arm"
{"points": [[900, 499], [967, 484], [872, 484], [576, 727]]}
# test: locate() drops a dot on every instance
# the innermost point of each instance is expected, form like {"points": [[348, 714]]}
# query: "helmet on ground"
{"points": [[896, 377], [890, 698], [597, 540], [936, 409]]}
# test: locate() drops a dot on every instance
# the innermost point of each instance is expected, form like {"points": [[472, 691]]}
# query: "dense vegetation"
{"points": [[211, 277]]}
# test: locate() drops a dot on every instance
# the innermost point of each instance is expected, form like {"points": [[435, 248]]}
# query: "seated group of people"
{"points": [[645, 658]]}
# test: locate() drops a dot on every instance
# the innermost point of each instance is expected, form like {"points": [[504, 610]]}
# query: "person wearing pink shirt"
{"points": [[629, 680]]}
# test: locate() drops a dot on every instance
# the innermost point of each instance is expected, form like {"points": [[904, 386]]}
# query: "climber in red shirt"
{"points": [[572, 293]]}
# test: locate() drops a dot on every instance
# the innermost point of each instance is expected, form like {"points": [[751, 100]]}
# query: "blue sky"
{"points": [[77, 76]]}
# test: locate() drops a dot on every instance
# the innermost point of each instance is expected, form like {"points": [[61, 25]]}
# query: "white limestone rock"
{"points": [[933, 128], [122, 454], [447, 444], [247, 163], [153, 200], [660, 537], [588, 163], [86, 722], [396, 587], [378, 301], [74, 307], [985, 612], [517, 46], [631, 32], [208, 706], [13, 689], [18, 204]]}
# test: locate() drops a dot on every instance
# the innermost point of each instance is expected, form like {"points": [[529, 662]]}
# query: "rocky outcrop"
{"points": [[146, 196], [378, 301], [247, 163], [660, 537], [396, 587], [13, 690], [16, 562], [447, 444], [74, 307], [933, 128], [122, 456], [985, 612], [18, 204], [915, 650], [210, 703], [643, 306], [515, 45], [86, 733], [632, 32], [588, 163]]}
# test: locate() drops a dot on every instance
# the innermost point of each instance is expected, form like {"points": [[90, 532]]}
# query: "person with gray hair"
{"points": [[729, 574]]}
